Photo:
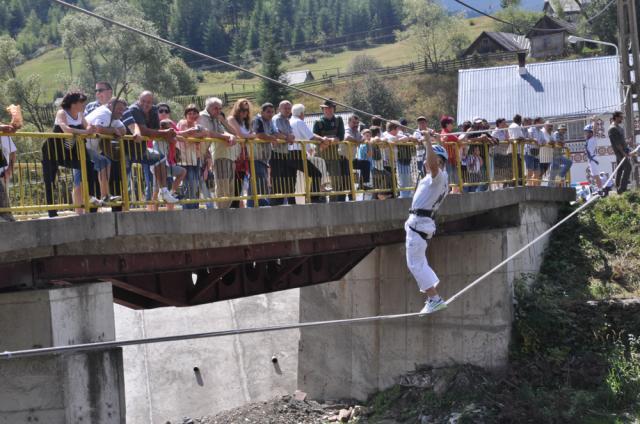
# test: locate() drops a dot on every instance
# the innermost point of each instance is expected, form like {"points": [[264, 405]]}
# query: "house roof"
{"points": [[508, 41], [568, 87], [298, 77], [547, 23], [568, 6]]}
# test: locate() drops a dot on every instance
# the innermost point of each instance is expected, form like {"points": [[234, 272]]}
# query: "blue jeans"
{"points": [[559, 165], [191, 183], [404, 178], [261, 183]]}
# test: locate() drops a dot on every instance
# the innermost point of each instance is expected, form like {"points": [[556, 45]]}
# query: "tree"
{"points": [[116, 55], [509, 3], [373, 95], [10, 57], [363, 64], [271, 67], [27, 93], [605, 26], [520, 21], [434, 34]]}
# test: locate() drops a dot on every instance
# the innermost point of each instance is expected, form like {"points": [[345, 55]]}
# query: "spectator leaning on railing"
{"points": [[352, 135], [284, 167], [546, 148], [7, 160], [561, 164], [263, 126], [192, 154], [532, 150], [451, 145], [169, 149], [239, 125], [317, 167], [66, 152], [105, 120], [142, 120], [331, 128]]}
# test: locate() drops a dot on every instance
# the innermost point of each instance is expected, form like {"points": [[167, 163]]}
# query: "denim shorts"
{"points": [[100, 161]]}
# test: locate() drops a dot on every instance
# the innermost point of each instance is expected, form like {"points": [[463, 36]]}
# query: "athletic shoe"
{"points": [[367, 186], [165, 196], [111, 199], [327, 187], [433, 305], [95, 201]]}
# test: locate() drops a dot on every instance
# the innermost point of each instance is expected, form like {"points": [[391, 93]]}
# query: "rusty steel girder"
{"points": [[150, 280]]}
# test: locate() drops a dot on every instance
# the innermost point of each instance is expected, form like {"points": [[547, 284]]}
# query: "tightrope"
{"points": [[312, 324]]}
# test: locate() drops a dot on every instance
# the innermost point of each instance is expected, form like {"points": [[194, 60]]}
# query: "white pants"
{"points": [[593, 167], [416, 247]]}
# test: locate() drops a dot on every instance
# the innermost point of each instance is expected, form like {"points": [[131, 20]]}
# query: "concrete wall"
{"points": [[74, 388], [332, 362], [160, 380]]}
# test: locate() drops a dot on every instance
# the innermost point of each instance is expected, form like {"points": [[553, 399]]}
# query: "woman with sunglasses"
{"points": [[240, 123]]}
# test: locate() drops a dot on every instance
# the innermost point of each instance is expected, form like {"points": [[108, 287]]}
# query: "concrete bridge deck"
{"points": [[191, 257]]}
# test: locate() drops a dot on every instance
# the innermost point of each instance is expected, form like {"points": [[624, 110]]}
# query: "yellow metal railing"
{"points": [[63, 177]]}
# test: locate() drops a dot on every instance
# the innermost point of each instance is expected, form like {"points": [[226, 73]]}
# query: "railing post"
{"points": [[124, 180], [305, 169], [394, 178], [252, 167], [83, 172], [523, 163], [351, 177], [488, 166]]}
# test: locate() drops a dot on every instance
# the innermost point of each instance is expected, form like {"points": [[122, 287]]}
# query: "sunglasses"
{"points": [[164, 111], [100, 90]]}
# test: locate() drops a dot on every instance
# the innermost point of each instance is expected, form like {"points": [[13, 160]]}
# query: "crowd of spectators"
{"points": [[175, 168]]}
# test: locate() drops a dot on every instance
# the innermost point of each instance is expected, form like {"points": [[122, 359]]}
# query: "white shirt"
{"points": [[8, 147], [592, 148], [515, 131], [301, 132], [431, 192], [546, 151], [101, 117]]}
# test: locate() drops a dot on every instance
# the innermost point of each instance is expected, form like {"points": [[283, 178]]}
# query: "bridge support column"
{"points": [[71, 388]]}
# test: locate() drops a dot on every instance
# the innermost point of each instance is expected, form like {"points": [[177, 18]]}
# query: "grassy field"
{"points": [[52, 63], [49, 65]]}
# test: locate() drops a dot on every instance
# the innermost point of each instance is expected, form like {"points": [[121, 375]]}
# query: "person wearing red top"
{"points": [[450, 143]]}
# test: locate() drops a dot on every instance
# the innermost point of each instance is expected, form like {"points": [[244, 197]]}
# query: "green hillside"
{"points": [[53, 63]]}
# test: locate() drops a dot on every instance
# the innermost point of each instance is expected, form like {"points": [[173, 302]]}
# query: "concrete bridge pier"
{"points": [[60, 389]]}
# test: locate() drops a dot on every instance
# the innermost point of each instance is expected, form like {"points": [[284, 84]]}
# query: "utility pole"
{"points": [[629, 61], [629, 64]]}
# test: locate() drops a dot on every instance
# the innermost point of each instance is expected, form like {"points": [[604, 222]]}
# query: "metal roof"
{"points": [[568, 87], [298, 77], [511, 42]]}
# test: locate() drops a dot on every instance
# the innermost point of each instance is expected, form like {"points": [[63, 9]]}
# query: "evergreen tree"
{"points": [[272, 68]]}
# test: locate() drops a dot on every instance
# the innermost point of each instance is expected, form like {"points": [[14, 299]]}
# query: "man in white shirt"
{"points": [[420, 226], [7, 161], [546, 148], [516, 134], [316, 166], [420, 149], [106, 120]]}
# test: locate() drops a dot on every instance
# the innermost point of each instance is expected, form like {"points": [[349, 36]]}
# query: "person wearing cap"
{"points": [[331, 127], [420, 226], [591, 150], [621, 150], [352, 135], [560, 164], [420, 150]]}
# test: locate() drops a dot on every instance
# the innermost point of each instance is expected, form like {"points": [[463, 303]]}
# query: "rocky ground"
{"points": [[408, 402]]}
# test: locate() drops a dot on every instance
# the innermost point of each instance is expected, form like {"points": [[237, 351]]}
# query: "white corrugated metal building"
{"points": [[581, 90]]}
